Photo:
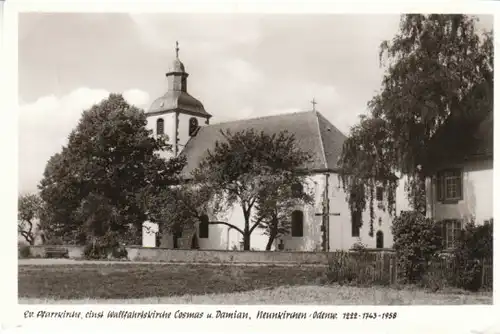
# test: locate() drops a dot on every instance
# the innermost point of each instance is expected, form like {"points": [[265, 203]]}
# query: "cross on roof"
{"points": [[177, 49], [314, 103]]}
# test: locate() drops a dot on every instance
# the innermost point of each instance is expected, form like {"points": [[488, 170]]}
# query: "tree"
{"points": [[182, 205], [240, 168], [416, 240], [275, 204], [367, 162], [28, 214], [103, 178], [437, 67]]}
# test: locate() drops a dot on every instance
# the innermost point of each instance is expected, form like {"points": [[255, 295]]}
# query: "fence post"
{"points": [[395, 270], [391, 269], [482, 272]]}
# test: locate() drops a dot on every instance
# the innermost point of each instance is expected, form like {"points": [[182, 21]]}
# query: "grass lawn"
{"points": [[199, 284]]}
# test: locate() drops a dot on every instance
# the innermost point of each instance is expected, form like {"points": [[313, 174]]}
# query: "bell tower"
{"points": [[177, 114]]}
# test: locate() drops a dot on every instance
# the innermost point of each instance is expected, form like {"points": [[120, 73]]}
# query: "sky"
{"points": [[239, 66]]}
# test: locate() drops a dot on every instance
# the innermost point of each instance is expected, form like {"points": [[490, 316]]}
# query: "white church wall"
{"points": [[217, 238], [311, 239], [341, 226], [222, 237], [149, 231], [169, 129]]}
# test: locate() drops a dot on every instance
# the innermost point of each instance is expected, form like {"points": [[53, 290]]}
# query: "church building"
{"points": [[191, 132]]}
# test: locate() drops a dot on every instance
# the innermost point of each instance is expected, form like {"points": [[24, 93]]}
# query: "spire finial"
{"points": [[314, 103], [177, 49]]}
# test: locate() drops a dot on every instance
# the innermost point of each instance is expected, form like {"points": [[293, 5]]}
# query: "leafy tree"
{"points": [[182, 205], [29, 209], [101, 181], [416, 240], [437, 67], [240, 168], [275, 204]]}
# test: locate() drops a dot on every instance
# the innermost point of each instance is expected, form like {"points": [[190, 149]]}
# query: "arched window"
{"points": [[297, 223], [160, 126], [193, 126], [297, 190], [355, 223], [380, 239], [203, 233]]}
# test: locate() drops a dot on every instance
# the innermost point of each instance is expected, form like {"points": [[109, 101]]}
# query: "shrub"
{"points": [[439, 274], [94, 252], [473, 247], [105, 247], [358, 246], [119, 252], [24, 251], [341, 269], [353, 268], [417, 240]]}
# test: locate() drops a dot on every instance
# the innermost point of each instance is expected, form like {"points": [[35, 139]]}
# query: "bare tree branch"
{"points": [[227, 224]]}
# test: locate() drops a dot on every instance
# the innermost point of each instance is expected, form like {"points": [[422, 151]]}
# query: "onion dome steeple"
{"points": [[177, 99]]}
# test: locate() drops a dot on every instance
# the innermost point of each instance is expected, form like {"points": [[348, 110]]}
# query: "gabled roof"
{"points": [[313, 132], [461, 139]]}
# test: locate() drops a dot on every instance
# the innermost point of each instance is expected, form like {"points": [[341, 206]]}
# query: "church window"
{"points": [[297, 223], [380, 239], [380, 194], [355, 223], [160, 126], [193, 126], [203, 233]]}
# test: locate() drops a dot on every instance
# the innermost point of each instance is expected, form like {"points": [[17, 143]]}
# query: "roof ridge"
{"points": [[263, 117], [321, 139]]}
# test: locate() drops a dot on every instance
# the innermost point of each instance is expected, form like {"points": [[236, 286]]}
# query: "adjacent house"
{"points": [[460, 182]]}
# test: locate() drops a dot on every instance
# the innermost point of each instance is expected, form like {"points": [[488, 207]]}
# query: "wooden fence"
{"points": [[382, 268]]}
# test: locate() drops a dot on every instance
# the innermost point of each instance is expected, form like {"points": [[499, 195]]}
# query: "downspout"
{"points": [[227, 238]]}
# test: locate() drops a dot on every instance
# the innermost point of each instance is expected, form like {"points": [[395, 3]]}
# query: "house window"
{"points": [[203, 233], [193, 126], [449, 187], [160, 126], [451, 229], [380, 239], [380, 194], [297, 223], [297, 190], [355, 223]]}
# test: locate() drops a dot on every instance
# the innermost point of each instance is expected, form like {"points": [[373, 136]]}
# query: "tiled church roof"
{"points": [[313, 132]]}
